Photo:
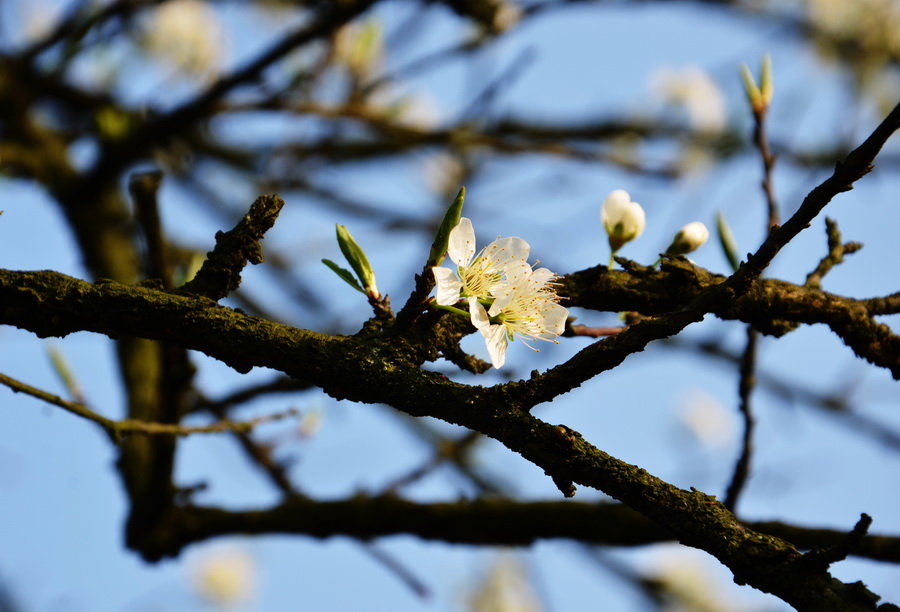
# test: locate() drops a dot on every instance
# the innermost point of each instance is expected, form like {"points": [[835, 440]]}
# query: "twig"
{"points": [[117, 429], [836, 251], [889, 304], [821, 558], [280, 384], [221, 272], [835, 405], [446, 450], [745, 390], [593, 332], [79, 22], [399, 570], [768, 162], [143, 187], [748, 360]]}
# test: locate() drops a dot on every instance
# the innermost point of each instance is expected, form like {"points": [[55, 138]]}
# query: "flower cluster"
{"points": [[505, 295], [624, 221]]}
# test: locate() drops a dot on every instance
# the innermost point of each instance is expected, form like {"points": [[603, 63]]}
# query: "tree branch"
{"points": [[221, 272]]}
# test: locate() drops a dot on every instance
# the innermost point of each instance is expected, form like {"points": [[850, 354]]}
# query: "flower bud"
{"points": [[451, 220], [759, 96], [689, 238], [623, 219]]}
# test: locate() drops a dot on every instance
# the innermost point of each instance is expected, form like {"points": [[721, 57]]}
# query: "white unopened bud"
{"points": [[623, 219], [689, 238]]}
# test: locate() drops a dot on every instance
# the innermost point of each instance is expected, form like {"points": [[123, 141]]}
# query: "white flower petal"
{"points": [[478, 314], [504, 251], [448, 286], [554, 320], [496, 342], [461, 244], [542, 276], [517, 270]]}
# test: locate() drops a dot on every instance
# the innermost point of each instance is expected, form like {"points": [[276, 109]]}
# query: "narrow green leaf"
{"points": [[727, 241], [451, 220], [357, 259], [345, 274], [754, 96], [766, 85], [64, 372]]}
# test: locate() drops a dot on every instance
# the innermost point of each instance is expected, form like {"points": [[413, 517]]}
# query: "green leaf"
{"points": [[357, 259], [766, 85], [727, 241], [442, 238], [754, 96], [345, 274]]}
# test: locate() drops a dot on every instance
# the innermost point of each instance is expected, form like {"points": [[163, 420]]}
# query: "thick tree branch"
{"points": [[483, 522], [773, 307], [372, 370]]}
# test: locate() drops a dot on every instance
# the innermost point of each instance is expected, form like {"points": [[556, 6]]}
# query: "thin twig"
{"points": [[117, 429], [593, 332], [836, 251], [768, 162], [745, 391], [748, 360]]}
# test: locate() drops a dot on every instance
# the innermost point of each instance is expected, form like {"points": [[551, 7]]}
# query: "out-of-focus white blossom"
{"points": [[443, 173], [505, 588], [37, 18], [417, 111], [692, 584], [508, 14], [225, 577], [693, 90], [704, 416], [359, 47], [623, 219], [187, 34], [688, 239], [874, 25]]}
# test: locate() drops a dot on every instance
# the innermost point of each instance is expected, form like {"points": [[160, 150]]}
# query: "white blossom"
{"points": [[526, 305], [186, 33], [623, 219], [476, 275]]}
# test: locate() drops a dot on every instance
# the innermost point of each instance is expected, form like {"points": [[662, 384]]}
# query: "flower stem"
{"points": [[453, 309]]}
